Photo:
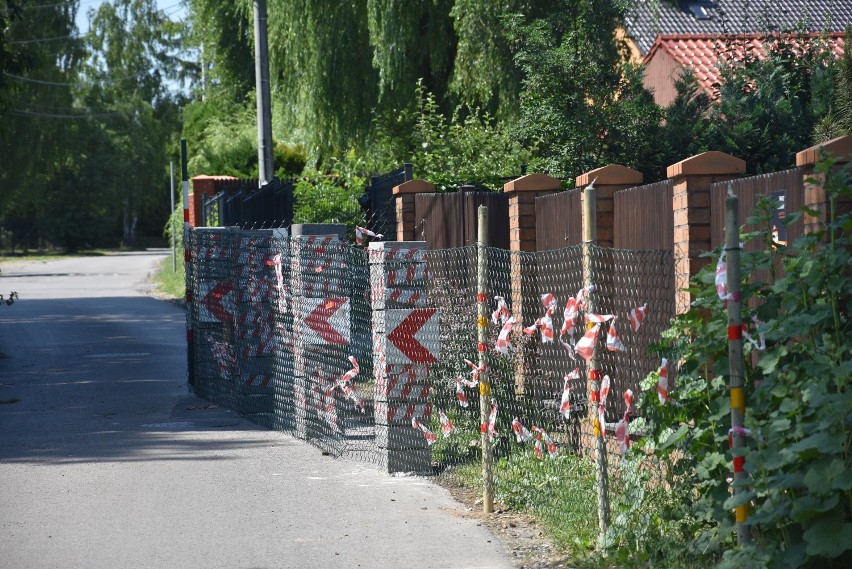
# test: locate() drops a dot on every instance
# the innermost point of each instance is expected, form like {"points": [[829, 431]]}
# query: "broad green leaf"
{"points": [[738, 500], [675, 436], [829, 536], [821, 474], [779, 391], [818, 443], [809, 506], [709, 464]]}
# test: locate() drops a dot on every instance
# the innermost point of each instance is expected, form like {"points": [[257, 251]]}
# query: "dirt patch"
{"points": [[529, 545]]}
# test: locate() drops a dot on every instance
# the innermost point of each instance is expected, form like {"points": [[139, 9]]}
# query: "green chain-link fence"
{"points": [[371, 353]]}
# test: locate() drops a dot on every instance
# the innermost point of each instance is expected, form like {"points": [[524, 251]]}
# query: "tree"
{"points": [[686, 121], [768, 106], [484, 73], [224, 35], [133, 55], [39, 56], [581, 102], [838, 120]]}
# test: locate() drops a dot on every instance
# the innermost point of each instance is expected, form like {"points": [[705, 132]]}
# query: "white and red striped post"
{"points": [[398, 276], [187, 264]]}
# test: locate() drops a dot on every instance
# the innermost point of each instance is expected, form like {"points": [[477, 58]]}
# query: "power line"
{"points": [[61, 84], [36, 81], [79, 116], [40, 40], [42, 6]]}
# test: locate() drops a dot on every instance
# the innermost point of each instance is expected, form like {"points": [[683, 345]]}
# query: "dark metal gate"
{"points": [[240, 203], [377, 201]]}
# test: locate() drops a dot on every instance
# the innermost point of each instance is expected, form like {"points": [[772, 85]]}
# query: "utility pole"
{"points": [[266, 169]]}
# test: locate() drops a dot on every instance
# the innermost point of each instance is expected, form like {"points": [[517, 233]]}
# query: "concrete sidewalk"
{"points": [[106, 461]]}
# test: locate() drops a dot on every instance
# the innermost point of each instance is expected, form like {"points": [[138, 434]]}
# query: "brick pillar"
{"points": [[692, 178], [815, 198], [403, 195], [202, 186], [522, 193], [398, 277], [608, 180]]}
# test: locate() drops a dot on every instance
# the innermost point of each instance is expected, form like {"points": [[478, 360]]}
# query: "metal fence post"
{"points": [[735, 357], [594, 374], [482, 346], [187, 258], [172, 200]]}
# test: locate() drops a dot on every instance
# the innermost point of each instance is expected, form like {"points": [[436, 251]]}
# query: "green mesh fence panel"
{"points": [[364, 351]]}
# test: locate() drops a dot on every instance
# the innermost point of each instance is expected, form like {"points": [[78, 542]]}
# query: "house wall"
{"points": [[660, 74]]}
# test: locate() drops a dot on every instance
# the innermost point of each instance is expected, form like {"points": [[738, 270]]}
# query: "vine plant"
{"points": [[799, 414]]}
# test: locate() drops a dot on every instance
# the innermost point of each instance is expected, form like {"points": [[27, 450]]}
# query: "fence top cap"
{"points": [[414, 187], [840, 147], [533, 183], [707, 164], [611, 175], [208, 177]]}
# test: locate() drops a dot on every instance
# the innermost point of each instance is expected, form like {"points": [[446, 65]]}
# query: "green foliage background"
{"points": [[466, 90], [799, 404]]}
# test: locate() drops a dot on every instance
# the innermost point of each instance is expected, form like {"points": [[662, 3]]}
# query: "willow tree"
{"points": [[484, 73], [324, 85], [412, 41], [222, 33]]}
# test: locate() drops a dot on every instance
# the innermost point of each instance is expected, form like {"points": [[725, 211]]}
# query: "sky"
{"points": [[173, 8]]}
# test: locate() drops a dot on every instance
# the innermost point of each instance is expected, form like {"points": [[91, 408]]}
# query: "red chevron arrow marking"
{"points": [[212, 301], [317, 320], [403, 336]]}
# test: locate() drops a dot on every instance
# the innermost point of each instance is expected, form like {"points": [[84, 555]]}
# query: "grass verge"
{"points": [[170, 283], [50, 255]]}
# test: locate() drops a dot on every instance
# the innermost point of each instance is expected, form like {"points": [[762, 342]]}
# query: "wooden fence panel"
{"points": [[786, 186], [559, 220], [448, 220], [643, 217]]}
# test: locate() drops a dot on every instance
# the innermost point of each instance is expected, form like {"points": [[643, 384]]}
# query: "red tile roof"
{"points": [[702, 53]]}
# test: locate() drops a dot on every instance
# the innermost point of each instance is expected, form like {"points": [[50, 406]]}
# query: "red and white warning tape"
{"points": [[663, 382], [504, 344], [637, 315], [502, 313], [427, 434], [362, 232], [447, 426], [522, 434], [613, 342], [542, 436], [565, 404], [401, 412]]}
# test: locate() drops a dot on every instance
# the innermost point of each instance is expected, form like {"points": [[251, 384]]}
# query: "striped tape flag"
{"points": [[504, 344], [663, 383], [613, 342], [361, 233], [447, 426], [637, 315], [427, 434], [565, 404], [522, 434]]}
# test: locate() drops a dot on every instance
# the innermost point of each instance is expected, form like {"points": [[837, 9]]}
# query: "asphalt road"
{"points": [[106, 461]]}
